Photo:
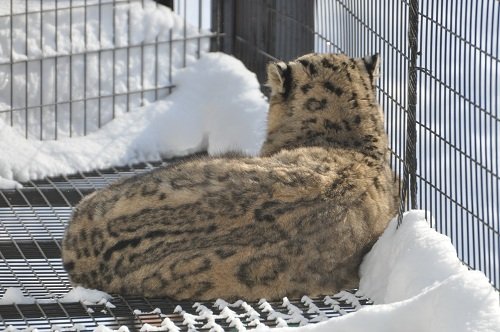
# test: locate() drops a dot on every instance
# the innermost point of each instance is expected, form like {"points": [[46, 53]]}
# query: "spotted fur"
{"points": [[296, 220]]}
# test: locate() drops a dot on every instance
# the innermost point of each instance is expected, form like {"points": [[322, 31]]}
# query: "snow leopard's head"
{"points": [[320, 98]]}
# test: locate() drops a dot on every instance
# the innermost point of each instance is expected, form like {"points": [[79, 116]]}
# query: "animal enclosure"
{"points": [[438, 90], [68, 67]]}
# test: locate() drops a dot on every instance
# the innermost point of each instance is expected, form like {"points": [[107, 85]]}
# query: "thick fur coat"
{"points": [[296, 220]]}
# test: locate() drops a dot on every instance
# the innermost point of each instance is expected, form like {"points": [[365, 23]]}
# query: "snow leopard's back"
{"points": [[296, 220]]}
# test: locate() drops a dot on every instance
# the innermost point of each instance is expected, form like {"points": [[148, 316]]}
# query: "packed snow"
{"points": [[217, 106], [86, 296], [15, 295]]}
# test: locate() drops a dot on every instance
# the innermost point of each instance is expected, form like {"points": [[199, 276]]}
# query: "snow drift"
{"points": [[418, 283], [217, 106]]}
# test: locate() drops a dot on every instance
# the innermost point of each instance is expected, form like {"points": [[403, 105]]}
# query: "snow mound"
{"points": [[9, 184], [15, 295], [86, 296], [419, 258], [216, 106], [419, 284]]}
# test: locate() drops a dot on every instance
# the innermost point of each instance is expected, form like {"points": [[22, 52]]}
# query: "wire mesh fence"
{"points": [[456, 119], [70, 66], [458, 125], [438, 90]]}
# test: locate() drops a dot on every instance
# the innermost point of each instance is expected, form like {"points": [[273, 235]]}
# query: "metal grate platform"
{"points": [[32, 223]]}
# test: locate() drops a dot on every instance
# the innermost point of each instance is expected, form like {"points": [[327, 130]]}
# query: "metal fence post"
{"points": [[409, 190], [260, 31], [302, 34], [223, 18], [168, 3]]}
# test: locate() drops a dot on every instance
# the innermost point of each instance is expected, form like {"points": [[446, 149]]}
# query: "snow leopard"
{"points": [[295, 220]]}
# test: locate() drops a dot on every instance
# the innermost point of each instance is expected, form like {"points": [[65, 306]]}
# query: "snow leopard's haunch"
{"points": [[296, 220]]}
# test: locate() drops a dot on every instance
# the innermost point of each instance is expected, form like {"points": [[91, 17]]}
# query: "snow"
{"points": [[412, 273], [104, 50], [217, 106], [15, 295], [103, 328], [86, 296], [11, 328], [418, 283], [412, 249], [9, 184]]}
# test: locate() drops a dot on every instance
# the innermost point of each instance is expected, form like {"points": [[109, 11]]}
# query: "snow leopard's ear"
{"points": [[372, 65], [278, 75]]}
